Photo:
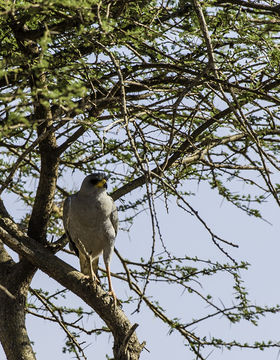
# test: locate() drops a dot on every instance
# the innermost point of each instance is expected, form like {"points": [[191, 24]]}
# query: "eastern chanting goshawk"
{"points": [[90, 220]]}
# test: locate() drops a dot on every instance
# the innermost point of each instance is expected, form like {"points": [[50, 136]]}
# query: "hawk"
{"points": [[90, 220]]}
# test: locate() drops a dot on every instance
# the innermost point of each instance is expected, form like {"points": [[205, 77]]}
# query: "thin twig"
{"points": [[62, 324], [7, 292]]}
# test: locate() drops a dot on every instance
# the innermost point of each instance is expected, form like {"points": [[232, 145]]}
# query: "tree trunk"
{"points": [[13, 292]]}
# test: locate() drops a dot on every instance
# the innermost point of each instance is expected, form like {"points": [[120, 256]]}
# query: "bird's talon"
{"points": [[115, 300], [97, 281], [93, 279]]}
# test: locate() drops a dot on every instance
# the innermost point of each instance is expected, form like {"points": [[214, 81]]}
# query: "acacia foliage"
{"points": [[156, 94]]}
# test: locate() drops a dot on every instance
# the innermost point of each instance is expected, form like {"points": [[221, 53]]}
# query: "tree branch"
{"points": [[188, 143]]}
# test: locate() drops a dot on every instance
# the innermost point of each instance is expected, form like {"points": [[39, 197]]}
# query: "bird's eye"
{"points": [[94, 181]]}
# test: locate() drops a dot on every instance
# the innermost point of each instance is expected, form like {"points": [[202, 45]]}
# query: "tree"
{"points": [[157, 94]]}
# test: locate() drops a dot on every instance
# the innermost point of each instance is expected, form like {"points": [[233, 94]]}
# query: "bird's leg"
{"points": [[111, 291], [86, 266], [90, 268], [92, 274]]}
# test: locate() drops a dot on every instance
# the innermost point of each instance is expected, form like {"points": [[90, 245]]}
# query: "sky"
{"points": [[183, 235]]}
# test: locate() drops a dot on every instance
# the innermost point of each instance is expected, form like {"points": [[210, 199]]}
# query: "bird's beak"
{"points": [[101, 183]]}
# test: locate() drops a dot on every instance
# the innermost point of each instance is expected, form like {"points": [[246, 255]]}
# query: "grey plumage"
{"points": [[90, 220]]}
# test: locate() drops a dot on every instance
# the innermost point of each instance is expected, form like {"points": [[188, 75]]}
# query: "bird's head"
{"points": [[94, 182]]}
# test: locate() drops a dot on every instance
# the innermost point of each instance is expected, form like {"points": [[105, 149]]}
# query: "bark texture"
{"points": [[13, 292]]}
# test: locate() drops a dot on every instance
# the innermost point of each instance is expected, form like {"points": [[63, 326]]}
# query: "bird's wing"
{"points": [[66, 222], [114, 217]]}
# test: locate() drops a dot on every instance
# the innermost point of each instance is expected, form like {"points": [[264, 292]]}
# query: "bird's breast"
{"points": [[92, 214]]}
